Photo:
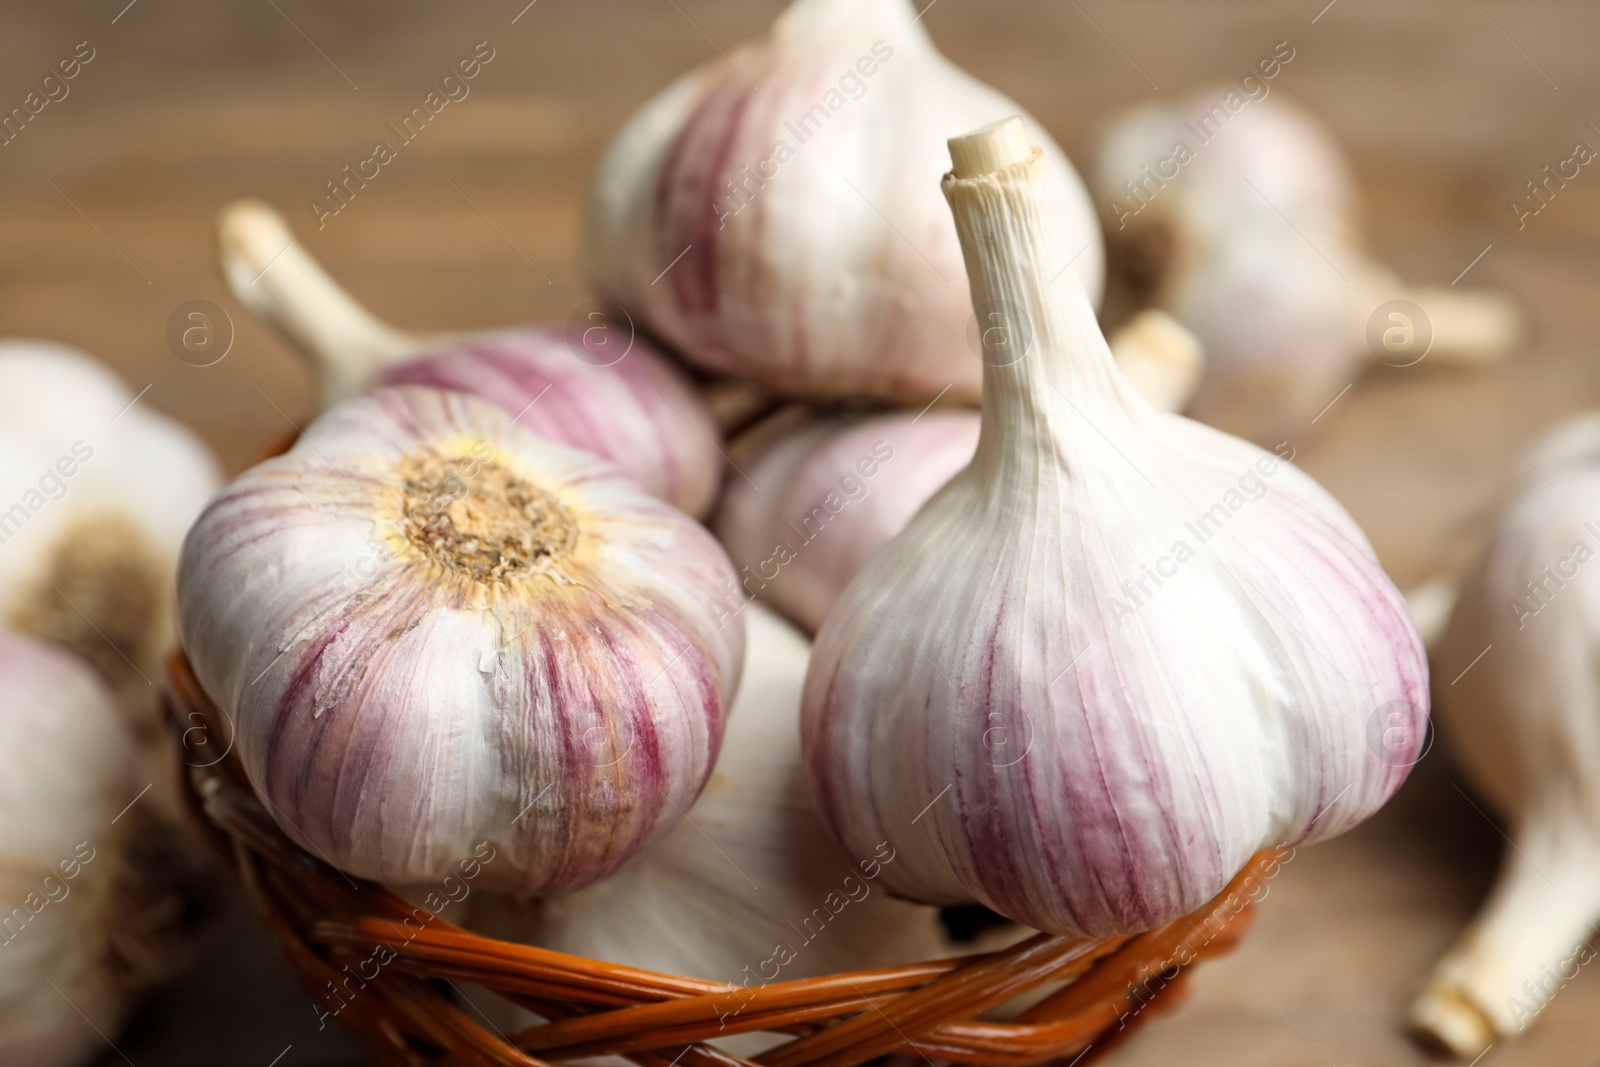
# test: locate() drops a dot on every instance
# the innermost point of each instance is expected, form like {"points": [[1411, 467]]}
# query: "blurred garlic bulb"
{"points": [[773, 215], [1242, 222], [837, 490], [434, 629], [1525, 724], [96, 492], [594, 386], [749, 888], [86, 920], [1120, 652]]}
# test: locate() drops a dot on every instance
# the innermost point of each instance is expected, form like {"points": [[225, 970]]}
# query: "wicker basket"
{"points": [[387, 969]]}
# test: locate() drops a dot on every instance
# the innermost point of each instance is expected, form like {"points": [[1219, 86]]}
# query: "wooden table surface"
{"points": [[106, 207]]}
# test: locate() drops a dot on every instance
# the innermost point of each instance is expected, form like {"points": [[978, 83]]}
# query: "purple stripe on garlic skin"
{"points": [[817, 258], [1029, 731], [830, 495], [397, 710], [640, 412]]}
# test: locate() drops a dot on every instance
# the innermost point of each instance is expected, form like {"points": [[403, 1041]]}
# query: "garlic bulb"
{"points": [[1241, 221], [1121, 651], [749, 888], [773, 214], [96, 492], [589, 384], [1524, 720], [814, 509], [434, 629], [86, 920]]}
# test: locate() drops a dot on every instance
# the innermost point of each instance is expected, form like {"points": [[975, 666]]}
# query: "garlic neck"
{"points": [[1036, 327], [347, 347], [810, 19]]}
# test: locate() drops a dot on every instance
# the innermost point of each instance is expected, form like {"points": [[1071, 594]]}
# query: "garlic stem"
{"points": [[1531, 937], [347, 346], [1160, 358], [1469, 327]]}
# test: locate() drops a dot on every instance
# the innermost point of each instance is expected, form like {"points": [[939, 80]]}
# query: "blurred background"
{"points": [[1447, 108]]}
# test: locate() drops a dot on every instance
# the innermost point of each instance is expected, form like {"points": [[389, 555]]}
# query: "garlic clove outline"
{"points": [[1525, 726], [589, 384], [97, 490], [703, 216], [993, 705], [434, 629], [1253, 242]]}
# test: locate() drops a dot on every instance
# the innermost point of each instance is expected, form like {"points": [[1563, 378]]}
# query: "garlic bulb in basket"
{"points": [[749, 888], [591, 384], [1239, 217], [1120, 652], [434, 630], [838, 489], [89, 918], [96, 492], [1524, 721], [774, 215]]}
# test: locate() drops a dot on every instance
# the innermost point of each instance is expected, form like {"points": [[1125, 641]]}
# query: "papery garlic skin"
{"points": [[817, 502], [1524, 722], [96, 492], [1252, 241], [436, 630], [822, 500], [751, 871], [593, 384], [835, 272], [69, 771], [1027, 731]]}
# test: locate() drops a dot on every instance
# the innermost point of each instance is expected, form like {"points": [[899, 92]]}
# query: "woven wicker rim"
{"points": [[387, 969]]}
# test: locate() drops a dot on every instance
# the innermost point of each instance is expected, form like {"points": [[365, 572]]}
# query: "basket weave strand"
{"points": [[330, 927]]}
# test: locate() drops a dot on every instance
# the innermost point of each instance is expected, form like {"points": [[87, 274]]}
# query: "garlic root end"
{"points": [[347, 346]]}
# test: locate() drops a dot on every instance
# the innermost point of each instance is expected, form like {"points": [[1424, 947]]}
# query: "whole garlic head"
{"points": [[593, 384], [75, 932], [1525, 724], [1118, 654], [96, 492], [1241, 220], [774, 216], [749, 888], [435, 630]]}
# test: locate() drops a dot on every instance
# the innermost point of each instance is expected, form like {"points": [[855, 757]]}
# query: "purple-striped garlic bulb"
{"points": [[1118, 654], [591, 384], [435, 630], [773, 214], [818, 501], [1238, 214]]}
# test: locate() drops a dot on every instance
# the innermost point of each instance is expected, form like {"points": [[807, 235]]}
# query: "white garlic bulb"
{"points": [[773, 215], [1524, 721], [84, 924], [96, 492], [816, 503], [1119, 653], [1240, 219], [749, 888], [434, 629], [590, 384]]}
